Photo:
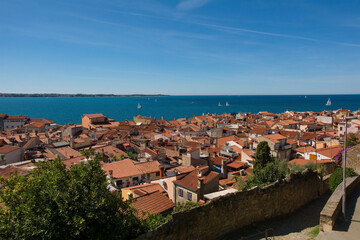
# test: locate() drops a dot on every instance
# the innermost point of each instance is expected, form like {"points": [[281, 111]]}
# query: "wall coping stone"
{"points": [[332, 207]]}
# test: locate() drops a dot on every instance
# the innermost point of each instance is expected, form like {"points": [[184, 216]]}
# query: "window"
{"points": [[157, 174], [181, 192], [136, 179], [119, 183], [189, 196], [165, 186]]}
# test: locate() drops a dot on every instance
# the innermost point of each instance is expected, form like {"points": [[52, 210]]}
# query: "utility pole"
{"points": [[344, 167]]}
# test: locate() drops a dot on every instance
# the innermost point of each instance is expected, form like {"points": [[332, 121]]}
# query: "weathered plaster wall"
{"points": [[240, 209]]}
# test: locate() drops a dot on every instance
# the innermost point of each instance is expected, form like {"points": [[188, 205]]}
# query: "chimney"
{"points": [[224, 168], [200, 188], [71, 142], [111, 173], [162, 171], [162, 117], [199, 173]]}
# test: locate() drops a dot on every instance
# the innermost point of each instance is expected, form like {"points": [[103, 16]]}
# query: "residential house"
{"points": [[12, 122], [93, 121], [11, 154], [279, 147], [192, 186]]}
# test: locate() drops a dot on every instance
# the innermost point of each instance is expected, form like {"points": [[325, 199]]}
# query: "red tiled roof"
{"points": [[19, 117], [226, 181], [275, 137], [10, 170], [148, 167], [7, 149], [236, 164], [218, 160], [305, 149], [185, 169], [153, 203], [72, 161], [94, 115], [145, 189], [190, 180], [121, 169], [301, 161], [329, 152]]}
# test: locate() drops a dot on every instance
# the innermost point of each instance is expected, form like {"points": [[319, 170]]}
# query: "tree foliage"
{"points": [[337, 177], [266, 169], [262, 156], [56, 203], [352, 140], [152, 221], [185, 206]]}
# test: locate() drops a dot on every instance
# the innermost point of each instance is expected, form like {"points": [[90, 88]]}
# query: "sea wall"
{"points": [[236, 210]]}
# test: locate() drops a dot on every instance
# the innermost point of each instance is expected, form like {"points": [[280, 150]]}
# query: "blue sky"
{"points": [[189, 47]]}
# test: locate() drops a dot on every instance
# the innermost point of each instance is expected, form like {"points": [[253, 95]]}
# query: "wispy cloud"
{"points": [[191, 4], [232, 30], [236, 30]]}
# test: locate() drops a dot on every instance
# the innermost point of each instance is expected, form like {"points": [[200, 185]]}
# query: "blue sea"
{"points": [[70, 109]]}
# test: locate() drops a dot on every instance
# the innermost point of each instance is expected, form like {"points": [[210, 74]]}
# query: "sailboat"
{"points": [[139, 106], [219, 104], [227, 104], [328, 103]]}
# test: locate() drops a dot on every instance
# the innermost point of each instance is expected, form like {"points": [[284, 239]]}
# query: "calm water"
{"points": [[70, 110]]}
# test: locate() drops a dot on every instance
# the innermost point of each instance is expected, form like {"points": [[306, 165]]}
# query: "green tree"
{"points": [[266, 169], [337, 177], [56, 203], [352, 140], [262, 156]]}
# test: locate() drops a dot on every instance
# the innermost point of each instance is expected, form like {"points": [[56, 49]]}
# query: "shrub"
{"points": [[185, 206], [337, 177]]}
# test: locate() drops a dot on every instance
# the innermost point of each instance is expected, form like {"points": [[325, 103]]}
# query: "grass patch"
{"points": [[315, 231]]}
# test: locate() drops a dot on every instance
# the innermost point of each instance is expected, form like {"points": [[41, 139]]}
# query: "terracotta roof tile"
{"points": [[7, 149], [148, 167], [190, 180], [153, 203], [121, 169], [10, 170]]}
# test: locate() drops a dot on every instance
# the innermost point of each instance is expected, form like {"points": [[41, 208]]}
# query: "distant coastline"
{"points": [[78, 95]]}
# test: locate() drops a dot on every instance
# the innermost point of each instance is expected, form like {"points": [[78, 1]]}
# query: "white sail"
{"points": [[219, 104], [139, 106], [328, 103], [227, 104]]}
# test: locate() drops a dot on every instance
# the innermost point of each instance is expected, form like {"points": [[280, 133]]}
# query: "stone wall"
{"points": [[333, 206], [353, 158], [239, 209]]}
